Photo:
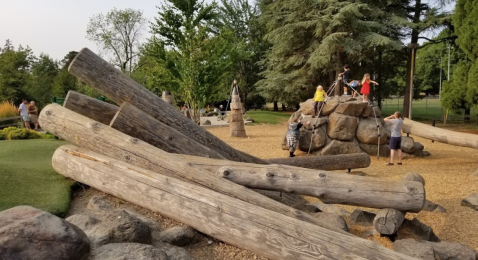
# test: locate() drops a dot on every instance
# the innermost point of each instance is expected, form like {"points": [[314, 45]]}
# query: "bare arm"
{"points": [[374, 82], [387, 119]]}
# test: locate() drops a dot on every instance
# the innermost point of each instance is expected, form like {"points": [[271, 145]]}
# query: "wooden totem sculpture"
{"points": [[236, 122]]}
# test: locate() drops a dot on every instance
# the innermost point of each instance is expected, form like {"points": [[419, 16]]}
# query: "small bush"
{"points": [[13, 133], [8, 109]]}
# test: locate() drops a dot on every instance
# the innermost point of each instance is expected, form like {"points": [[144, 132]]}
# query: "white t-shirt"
{"points": [[396, 127], [23, 110]]}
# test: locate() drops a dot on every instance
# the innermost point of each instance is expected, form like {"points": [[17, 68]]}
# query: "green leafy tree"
{"points": [[40, 85], [64, 81], [118, 33]]}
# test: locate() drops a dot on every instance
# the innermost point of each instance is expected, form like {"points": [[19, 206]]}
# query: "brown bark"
{"points": [[329, 162]]}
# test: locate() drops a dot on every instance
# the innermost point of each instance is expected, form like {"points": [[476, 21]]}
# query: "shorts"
{"points": [[33, 118], [26, 118], [396, 143]]}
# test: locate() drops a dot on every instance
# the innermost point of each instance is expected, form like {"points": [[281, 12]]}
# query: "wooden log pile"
{"points": [[146, 152]]}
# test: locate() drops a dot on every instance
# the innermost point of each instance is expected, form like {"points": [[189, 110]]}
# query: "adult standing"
{"points": [[23, 110], [33, 114], [396, 136]]}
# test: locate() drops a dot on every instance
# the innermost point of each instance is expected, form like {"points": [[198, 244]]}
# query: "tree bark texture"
{"points": [[388, 221], [440, 135], [90, 107], [99, 74], [105, 140], [236, 121], [329, 187], [228, 219], [328, 162]]}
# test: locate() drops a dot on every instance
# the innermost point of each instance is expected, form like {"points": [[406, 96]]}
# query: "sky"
{"points": [[56, 27]]}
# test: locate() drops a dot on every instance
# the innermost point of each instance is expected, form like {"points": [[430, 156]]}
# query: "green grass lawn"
{"points": [[267, 117], [27, 177]]}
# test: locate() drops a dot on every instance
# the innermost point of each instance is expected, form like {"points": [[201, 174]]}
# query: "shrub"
{"points": [[13, 133], [8, 109]]}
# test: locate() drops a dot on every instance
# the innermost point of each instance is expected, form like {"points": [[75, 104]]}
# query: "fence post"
{"points": [[433, 124]]}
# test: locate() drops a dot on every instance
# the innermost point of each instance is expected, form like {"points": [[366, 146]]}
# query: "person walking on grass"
{"points": [[293, 135], [319, 96], [396, 136], [365, 90], [23, 110], [33, 114]]}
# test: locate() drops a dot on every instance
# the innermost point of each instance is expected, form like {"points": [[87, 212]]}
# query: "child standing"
{"points": [[345, 78], [365, 90], [319, 100]]}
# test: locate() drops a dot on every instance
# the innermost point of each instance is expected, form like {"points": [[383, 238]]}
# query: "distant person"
{"points": [[293, 135], [185, 111], [319, 96], [365, 90], [345, 78], [23, 110], [33, 114], [396, 136]]}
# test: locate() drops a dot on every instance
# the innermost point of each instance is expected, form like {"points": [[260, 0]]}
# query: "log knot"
{"points": [[294, 176], [270, 175], [48, 113], [322, 175], [95, 125], [226, 173], [134, 140]]}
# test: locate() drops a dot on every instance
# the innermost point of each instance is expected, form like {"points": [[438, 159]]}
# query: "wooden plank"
{"points": [[10, 118], [112, 83], [328, 162], [103, 139], [228, 219], [90, 107]]}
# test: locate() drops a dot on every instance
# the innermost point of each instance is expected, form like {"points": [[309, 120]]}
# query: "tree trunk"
{"points": [[225, 218], [103, 139], [388, 221], [99, 74], [329, 162], [276, 107], [329, 187], [379, 79], [90, 107], [134, 122], [283, 107], [439, 134], [467, 115]]}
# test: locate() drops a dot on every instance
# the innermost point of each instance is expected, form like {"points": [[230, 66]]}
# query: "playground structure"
{"points": [[148, 153]]}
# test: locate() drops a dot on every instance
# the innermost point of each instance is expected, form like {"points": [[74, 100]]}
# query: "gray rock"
{"points": [[341, 127], [117, 226], [174, 252], [205, 122], [367, 132], [312, 139], [453, 251], [361, 217], [371, 149], [376, 112], [29, 233], [419, 230], [294, 116], [128, 251], [328, 208], [419, 146], [307, 107], [408, 145], [314, 122], [99, 203], [410, 247], [368, 111], [412, 176], [433, 207], [354, 109], [471, 201], [335, 147], [329, 106], [425, 153], [332, 219], [347, 98], [178, 236]]}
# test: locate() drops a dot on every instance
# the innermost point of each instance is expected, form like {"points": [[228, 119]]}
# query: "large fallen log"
{"points": [[328, 162], [439, 134], [103, 139], [329, 187], [90, 107], [112, 83], [228, 219], [134, 122]]}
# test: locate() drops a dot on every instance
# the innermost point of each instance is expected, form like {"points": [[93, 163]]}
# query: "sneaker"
{"points": [[389, 164], [293, 155], [399, 163], [345, 94]]}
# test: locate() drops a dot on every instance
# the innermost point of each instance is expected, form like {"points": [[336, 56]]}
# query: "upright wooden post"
{"points": [[236, 122]]}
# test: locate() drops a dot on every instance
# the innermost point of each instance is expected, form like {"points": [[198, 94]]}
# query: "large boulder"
{"points": [[351, 108], [418, 230], [433, 207], [314, 122], [372, 149], [367, 131], [29, 233], [178, 236], [367, 111], [408, 144], [295, 116], [128, 251], [315, 139], [376, 112], [471, 201], [410, 247], [361, 217], [335, 147], [329, 106], [341, 127], [118, 226], [307, 107]]}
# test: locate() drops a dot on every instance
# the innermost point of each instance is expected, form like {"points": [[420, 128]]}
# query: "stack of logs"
{"points": [[148, 153]]}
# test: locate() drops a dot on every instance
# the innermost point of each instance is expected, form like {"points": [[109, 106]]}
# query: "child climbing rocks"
{"points": [[319, 96], [345, 78], [293, 135], [365, 90]]}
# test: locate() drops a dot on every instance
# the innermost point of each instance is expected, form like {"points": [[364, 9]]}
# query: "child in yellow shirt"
{"points": [[319, 100]]}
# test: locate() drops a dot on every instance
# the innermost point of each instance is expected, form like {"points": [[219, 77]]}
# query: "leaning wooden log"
{"points": [[328, 162], [136, 123], [90, 107], [329, 187], [388, 221], [103, 139], [225, 218], [112, 83], [439, 134]]}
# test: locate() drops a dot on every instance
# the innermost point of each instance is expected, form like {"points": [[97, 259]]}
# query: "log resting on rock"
{"points": [[329, 187], [327, 162], [115, 85], [440, 135], [103, 139], [226, 218]]}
